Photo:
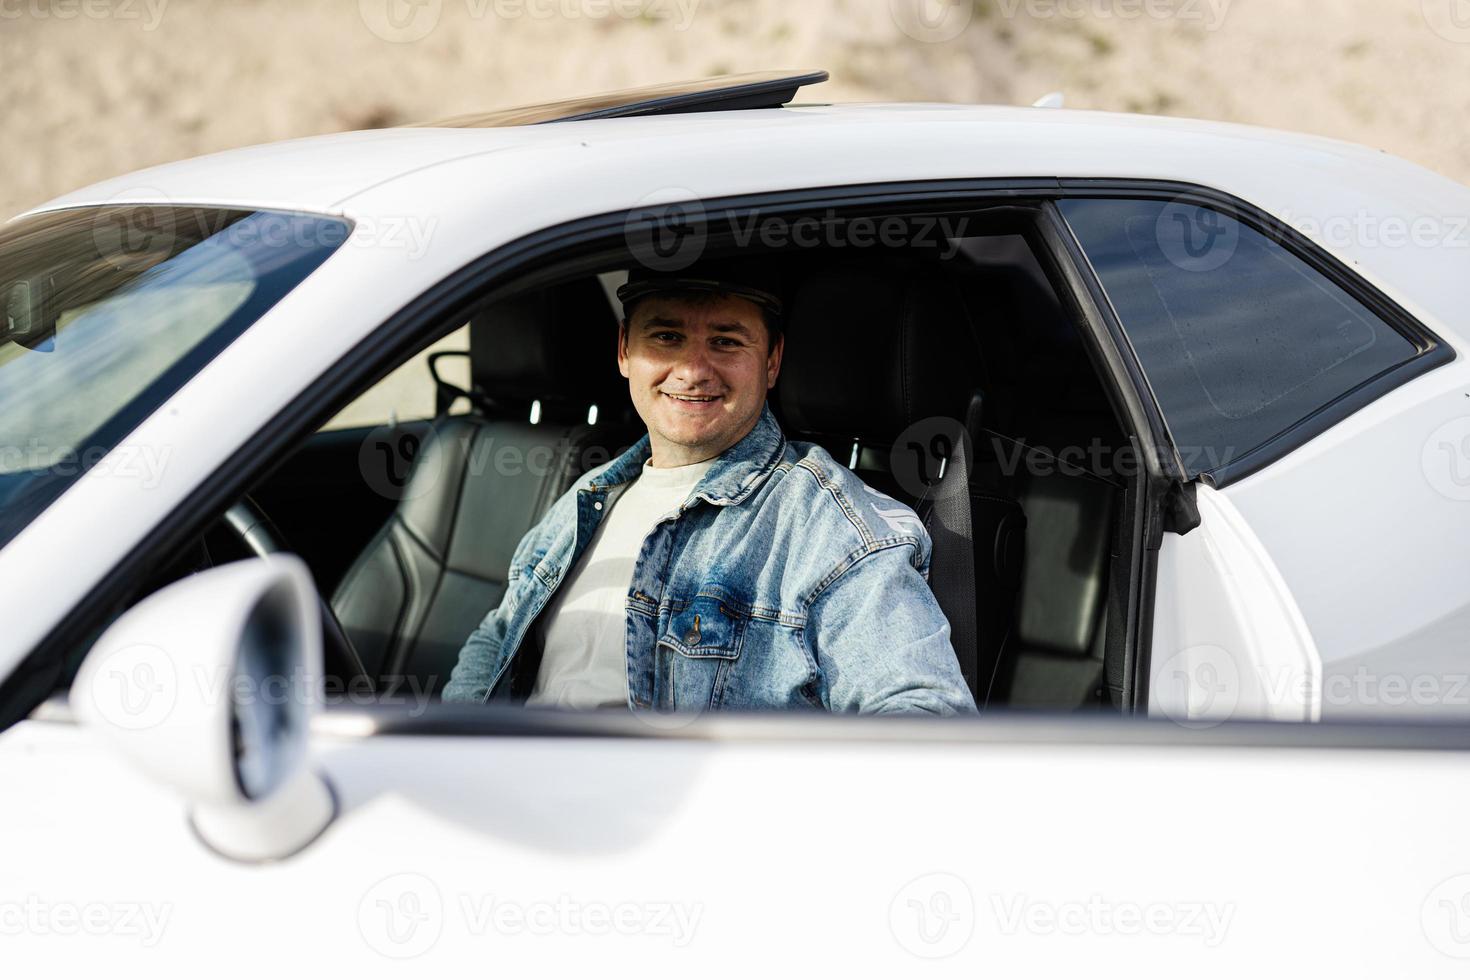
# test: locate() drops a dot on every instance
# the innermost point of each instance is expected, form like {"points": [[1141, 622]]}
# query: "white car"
{"points": [[1203, 455]]}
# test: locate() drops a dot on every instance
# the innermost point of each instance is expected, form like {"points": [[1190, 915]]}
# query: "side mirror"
{"points": [[208, 686]]}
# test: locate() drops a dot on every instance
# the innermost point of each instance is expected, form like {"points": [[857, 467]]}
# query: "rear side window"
{"points": [[1240, 339]]}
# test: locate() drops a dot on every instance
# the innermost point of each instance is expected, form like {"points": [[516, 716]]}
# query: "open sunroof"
{"points": [[755, 90]]}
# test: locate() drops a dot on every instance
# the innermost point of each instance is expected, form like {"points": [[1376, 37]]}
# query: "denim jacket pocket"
{"points": [[704, 628]]}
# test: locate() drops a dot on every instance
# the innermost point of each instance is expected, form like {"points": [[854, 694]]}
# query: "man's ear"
{"points": [[773, 361], [623, 348]]}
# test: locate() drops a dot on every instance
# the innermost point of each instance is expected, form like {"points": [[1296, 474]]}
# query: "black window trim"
{"points": [[406, 329], [1430, 351]]}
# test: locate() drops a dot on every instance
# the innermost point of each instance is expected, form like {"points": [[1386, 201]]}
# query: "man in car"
{"points": [[716, 564]]}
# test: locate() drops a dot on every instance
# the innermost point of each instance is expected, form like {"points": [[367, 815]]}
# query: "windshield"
{"points": [[108, 311]]}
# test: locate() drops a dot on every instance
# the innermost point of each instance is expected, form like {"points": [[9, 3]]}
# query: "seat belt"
{"points": [[952, 559]]}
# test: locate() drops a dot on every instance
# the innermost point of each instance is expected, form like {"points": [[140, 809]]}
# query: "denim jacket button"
{"points": [[692, 636], [597, 505]]}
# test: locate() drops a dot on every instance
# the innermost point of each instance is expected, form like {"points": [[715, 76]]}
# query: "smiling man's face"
{"points": [[698, 371]]}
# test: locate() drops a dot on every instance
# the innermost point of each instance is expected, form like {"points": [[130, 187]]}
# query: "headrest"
{"points": [[556, 343], [871, 351]]}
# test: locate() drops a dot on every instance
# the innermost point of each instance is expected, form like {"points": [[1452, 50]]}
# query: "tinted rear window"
{"points": [[1240, 338]]}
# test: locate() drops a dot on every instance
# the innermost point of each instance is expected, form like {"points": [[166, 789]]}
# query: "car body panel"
{"points": [[1228, 638], [885, 857]]}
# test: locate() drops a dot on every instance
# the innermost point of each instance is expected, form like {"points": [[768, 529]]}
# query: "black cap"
{"points": [[752, 279]]}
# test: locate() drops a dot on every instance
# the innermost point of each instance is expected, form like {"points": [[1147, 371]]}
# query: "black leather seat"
{"points": [[872, 350], [481, 481], [1049, 402]]}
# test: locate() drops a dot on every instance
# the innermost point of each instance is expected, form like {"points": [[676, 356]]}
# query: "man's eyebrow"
{"points": [[657, 322], [734, 326]]}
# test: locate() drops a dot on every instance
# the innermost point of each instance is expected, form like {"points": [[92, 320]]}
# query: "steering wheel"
{"points": [[258, 534]]}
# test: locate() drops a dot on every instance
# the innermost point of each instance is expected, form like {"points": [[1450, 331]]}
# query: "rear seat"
{"points": [[870, 350], [1055, 659], [1047, 396], [481, 481]]}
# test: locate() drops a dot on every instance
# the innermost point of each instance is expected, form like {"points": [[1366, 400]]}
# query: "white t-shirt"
{"points": [[583, 630]]}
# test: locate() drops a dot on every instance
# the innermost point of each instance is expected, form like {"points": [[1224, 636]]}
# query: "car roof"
{"points": [[323, 173], [463, 192]]}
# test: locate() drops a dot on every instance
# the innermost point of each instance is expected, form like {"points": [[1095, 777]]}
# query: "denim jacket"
{"points": [[783, 581]]}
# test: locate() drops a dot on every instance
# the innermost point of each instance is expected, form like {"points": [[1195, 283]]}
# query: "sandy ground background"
{"points": [[96, 88], [100, 87]]}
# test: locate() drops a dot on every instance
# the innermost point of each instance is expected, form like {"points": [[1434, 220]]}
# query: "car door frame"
{"points": [[1165, 502]]}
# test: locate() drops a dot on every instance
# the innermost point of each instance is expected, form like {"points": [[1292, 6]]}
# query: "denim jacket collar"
{"points": [[738, 472]]}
